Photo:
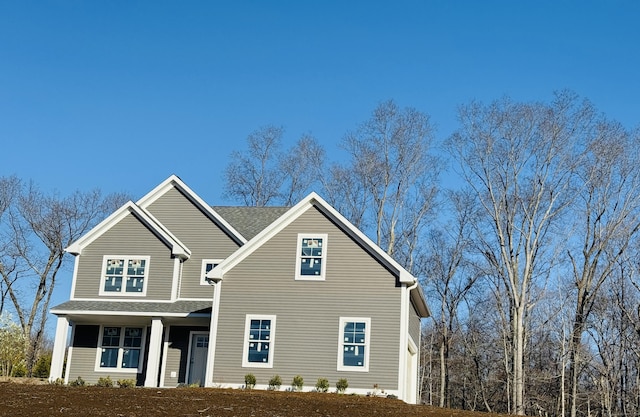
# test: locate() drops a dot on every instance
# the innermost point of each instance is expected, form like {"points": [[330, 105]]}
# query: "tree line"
{"points": [[529, 261], [528, 258]]}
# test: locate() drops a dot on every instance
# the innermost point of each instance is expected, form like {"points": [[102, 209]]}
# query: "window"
{"points": [[312, 253], [353, 348], [120, 348], [258, 341], [207, 265], [124, 275]]}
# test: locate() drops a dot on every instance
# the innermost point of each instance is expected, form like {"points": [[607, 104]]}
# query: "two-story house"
{"points": [[170, 291]]}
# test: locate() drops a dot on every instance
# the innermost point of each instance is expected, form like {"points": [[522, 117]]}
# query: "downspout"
{"points": [[404, 335]]}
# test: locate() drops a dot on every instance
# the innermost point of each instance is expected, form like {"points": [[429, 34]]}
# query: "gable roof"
{"points": [[175, 182], [177, 247], [314, 200], [250, 220]]}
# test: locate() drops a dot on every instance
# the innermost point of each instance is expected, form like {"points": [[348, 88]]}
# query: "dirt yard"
{"points": [[18, 399]]}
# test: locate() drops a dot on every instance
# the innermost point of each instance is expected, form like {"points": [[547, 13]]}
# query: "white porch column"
{"points": [[155, 347], [59, 346], [213, 335]]}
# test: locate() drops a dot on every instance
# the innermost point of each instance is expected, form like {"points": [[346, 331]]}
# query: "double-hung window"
{"points": [[120, 348], [259, 336], [124, 275], [207, 265], [311, 257], [354, 344]]}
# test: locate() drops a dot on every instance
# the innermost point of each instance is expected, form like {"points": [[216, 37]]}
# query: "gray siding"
{"points": [[308, 312], [127, 237], [177, 353], [415, 325], [198, 232]]}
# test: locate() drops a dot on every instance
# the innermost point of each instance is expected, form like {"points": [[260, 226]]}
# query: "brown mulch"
{"points": [[19, 399]]}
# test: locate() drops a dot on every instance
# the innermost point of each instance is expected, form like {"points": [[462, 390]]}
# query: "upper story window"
{"points": [[259, 335], [354, 346], [207, 265], [124, 275], [311, 258], [120, 348]]}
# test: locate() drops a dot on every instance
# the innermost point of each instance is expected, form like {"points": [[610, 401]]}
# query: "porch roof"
{"points": [[180, 308]]}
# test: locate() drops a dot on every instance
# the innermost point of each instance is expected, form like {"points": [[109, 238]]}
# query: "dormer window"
{"points": [[124, 275], [312, 252]]}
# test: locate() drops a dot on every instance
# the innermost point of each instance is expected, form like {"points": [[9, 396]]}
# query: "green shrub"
{"points": [[275, 383], [58, 381], [19, 370], [342, 385], [79, 382], [297, 383], [42, 367], [322, 385], [249, 381], [105, 382], [126, 383]]}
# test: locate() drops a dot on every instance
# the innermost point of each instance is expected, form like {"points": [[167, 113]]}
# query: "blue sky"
{"points": [[119, 95]]}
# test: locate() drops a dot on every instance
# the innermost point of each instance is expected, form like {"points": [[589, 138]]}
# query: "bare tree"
{"points": [[37, 229], [450, 274], [264, 174], [391, 175], [518, 159], [607, 218]]}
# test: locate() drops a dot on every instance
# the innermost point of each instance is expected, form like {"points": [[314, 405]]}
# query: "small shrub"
{"points": [[322, 385], [392, 397], [19, 370], [275, 383], [342, 385], [194, 385], [58, 381], [249, 381], [79, 382], [126, 383], [297, 383], [105, 382], [42, 367]]}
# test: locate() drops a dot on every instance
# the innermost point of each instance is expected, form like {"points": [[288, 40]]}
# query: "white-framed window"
{"points": [[124, 275], [311, 257], [259, 339], [354, 344], [120, 348], [207, 265]]}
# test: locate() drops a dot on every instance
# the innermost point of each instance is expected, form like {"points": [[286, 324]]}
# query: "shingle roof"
{"points": [[250, 221], [178, 307]]}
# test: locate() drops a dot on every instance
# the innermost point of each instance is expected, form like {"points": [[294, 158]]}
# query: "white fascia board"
{"points": [[177, 247], [124, 313], [175, 181], [292, 214]]}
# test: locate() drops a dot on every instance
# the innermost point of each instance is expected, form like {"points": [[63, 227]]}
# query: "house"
{"points": [[170, 291]]}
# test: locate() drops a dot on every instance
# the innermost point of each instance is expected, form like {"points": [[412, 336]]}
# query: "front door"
{"points": [[199, 345]]}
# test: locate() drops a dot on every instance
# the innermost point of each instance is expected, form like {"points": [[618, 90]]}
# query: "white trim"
{"points": [[213, 335], [119, 367], [175, 181], [203, 269], [75, 277], [292, 214], [125, 313], [367, 344], [188, 370], [177, 270], [323, 257], [154, 350], [247, 340], [165, 349], [123, 292], [177, 247]]}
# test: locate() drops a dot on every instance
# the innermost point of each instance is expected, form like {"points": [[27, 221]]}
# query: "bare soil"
{"points": [[27, 399]]}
